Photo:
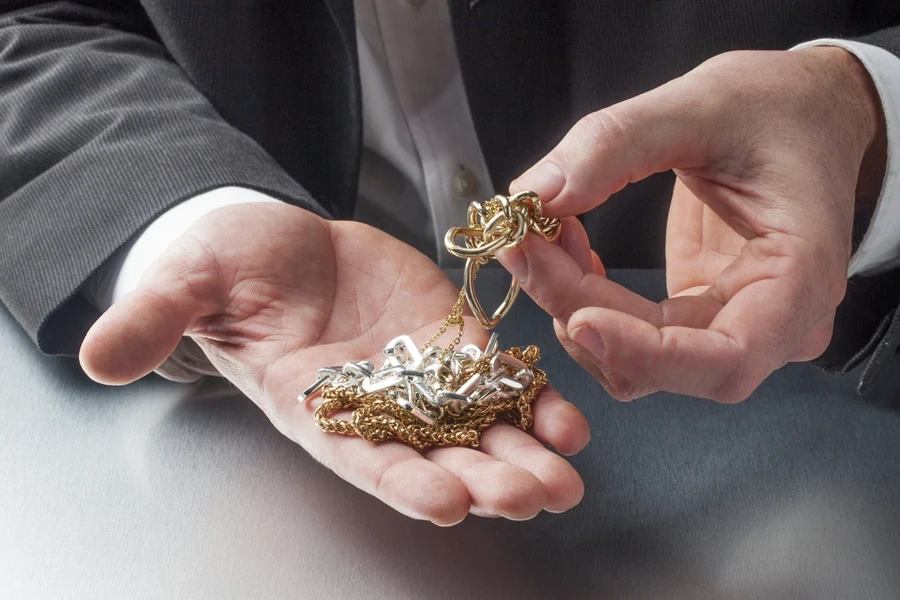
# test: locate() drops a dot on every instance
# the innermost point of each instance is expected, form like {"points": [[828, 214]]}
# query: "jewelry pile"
{"points": [[436, 397]]}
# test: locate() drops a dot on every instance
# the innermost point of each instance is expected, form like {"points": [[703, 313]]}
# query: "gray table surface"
{"points": [[160, 490]]}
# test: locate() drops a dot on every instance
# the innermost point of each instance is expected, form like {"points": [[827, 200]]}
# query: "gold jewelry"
{"points": [[433, 397], [500, 222]]}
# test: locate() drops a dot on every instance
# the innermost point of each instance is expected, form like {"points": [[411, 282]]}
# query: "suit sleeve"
{"points": [[99, 133]]}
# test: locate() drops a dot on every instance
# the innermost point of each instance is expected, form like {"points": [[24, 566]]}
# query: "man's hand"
{"points": [[767, 148], [272, 293]]}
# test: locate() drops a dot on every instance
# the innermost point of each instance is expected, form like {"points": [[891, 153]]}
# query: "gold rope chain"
{"points": [[432, 397]]}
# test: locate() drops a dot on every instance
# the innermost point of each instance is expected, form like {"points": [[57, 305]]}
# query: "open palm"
{"points": [[272, 293]]}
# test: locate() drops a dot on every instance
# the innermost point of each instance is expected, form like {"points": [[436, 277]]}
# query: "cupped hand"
{"points": [[272, 293], [767, 148]]}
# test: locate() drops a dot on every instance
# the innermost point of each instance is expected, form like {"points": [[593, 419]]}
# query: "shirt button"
{"points": [[465, 183]]}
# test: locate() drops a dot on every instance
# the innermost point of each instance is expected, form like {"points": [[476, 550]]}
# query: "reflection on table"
{"points": [[167, 491]]}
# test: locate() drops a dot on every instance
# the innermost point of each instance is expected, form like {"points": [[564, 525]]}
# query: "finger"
{"points": [[598, 267], [617, 386], [557, 284], [574, 240], [605, 150], [496, 488], [562, 483], [559, 423], [681, 360], [140, 331], [755, 333], [393, 472]]}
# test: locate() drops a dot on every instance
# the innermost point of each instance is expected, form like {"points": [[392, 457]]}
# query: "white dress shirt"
{"points": [[422, 163], [417, 129]]}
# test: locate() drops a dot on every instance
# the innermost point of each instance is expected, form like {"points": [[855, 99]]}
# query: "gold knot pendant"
{"points": [[500, 222]]}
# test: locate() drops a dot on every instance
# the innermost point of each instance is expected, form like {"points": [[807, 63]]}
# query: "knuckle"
{"points": [[620, 388], [740, 383], [555, 303], [601, 129], [728, 60]]}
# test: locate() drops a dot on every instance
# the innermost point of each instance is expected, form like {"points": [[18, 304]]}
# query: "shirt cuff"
{"points": [[121, 274], [879, 250]]}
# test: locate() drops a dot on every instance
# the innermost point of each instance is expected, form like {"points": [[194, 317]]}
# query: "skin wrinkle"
{"points": [[191, 285], [390, 295], [719, 394], [502, 506], [382, 474], [266, 369], [335, 264], [218, 271], [506, 455], [394, 291], [465, 477], [229, 283]]}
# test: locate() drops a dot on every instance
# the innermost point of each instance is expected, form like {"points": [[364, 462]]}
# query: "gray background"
{"points": [[159, 490]]}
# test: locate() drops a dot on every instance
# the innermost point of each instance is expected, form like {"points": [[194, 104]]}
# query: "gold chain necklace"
{"points": [[430, 396]]}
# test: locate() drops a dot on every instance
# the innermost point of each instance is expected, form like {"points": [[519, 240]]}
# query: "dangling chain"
{"points": [[430, 396], [454, 319]]}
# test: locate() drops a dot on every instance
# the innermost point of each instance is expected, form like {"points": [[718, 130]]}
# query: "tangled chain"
{"points": [[376, 417]]}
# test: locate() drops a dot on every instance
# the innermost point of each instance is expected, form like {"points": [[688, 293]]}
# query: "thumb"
{"points": [[606, 150], [140, 331]]}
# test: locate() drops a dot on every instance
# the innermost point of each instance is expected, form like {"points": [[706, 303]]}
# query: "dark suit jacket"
{"points": [[111, 111]]}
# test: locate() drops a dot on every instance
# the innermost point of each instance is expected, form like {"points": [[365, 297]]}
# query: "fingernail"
{"points": [[545, 179], [589, 339], [513, 259], [445, 525], [520, 519]]}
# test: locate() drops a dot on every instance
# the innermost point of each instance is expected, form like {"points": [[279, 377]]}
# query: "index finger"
{"points": [[755, 333], [608, 149]]}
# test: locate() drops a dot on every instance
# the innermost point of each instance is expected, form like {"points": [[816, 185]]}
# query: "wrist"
{"points": [[852, 85]]}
